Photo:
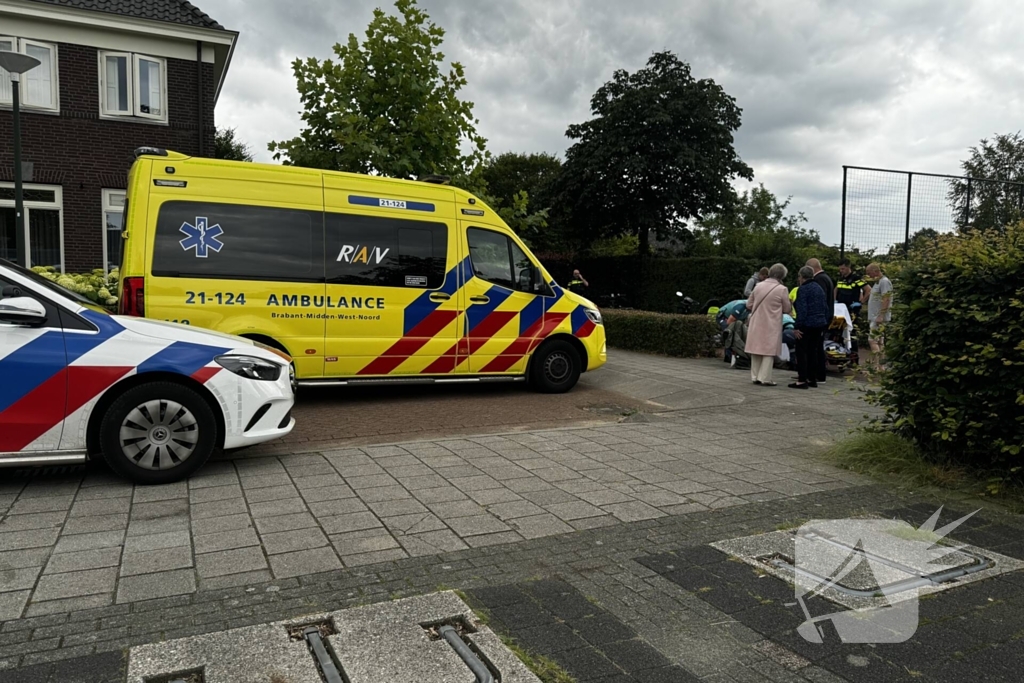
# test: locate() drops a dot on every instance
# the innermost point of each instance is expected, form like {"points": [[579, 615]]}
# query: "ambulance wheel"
{"points": [[555, 367], [158, 433]]}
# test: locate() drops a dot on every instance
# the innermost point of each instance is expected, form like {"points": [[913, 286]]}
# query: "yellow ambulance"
{"points": [[360, 279]]}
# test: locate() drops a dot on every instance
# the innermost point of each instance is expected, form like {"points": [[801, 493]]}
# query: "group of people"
{"points": [[812, 306]]}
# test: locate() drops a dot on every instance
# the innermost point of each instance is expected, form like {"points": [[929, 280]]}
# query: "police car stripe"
{"points": [[34, 414], [29, 366], [182, 358]]}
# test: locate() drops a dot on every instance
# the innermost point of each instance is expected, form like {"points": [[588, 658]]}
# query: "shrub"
{"points": [[671, 335], [95, 285], [955, 349]]}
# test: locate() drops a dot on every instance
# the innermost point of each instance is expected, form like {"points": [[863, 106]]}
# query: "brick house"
{"points": [[115, 75]]}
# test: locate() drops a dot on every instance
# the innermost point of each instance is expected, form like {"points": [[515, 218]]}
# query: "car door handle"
{"points": [[480, 299], [438, 297]]}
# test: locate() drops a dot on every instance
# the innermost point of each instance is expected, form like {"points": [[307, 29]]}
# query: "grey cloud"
{"points": [[821, 83]]}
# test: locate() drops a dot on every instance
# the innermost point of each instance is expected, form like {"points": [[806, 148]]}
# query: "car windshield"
{"points": [[38, 279]]}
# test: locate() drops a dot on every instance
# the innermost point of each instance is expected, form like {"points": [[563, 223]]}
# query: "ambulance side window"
{"points": [[385, 252], [236, 241]]}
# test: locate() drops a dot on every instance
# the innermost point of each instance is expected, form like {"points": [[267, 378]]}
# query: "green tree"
{"points": [[387, 105], [757, 226], [658, 152], [510, 173], [226, 145], [992, 204]]}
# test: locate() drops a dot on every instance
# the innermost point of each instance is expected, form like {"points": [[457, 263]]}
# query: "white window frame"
{"points": [[109, 207], [104, 110], [20, 45], [134, 84], [58, 203]]}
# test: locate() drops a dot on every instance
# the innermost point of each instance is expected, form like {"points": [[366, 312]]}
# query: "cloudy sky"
{"points": [[822, 83]]}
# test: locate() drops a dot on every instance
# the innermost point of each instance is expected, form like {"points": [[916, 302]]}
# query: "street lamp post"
{"points": [[16, 64]]}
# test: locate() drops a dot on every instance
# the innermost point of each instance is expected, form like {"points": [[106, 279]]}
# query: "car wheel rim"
{"points": [[159, 435], [557, 367]]}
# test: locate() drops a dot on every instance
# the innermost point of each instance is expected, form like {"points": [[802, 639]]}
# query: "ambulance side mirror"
{"points": [[22, 311]]}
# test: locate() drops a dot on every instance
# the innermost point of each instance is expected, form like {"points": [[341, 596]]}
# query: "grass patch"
{"points": [[547, 670], [896, 461]]}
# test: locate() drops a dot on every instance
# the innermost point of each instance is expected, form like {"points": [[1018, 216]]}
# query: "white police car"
{"points": [[153, 398]]}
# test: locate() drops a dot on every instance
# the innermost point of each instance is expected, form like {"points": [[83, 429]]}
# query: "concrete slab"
{"points": [[384, 642]]}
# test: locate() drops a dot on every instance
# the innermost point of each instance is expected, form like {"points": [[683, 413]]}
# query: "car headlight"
{"points": [[250, 367], [594, 315]]}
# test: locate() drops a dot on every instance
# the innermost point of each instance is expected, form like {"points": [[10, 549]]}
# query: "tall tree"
{"points": [[993, 204], [386, 105], [658, 152], [510, 173], [757, 226], [226, 145]]}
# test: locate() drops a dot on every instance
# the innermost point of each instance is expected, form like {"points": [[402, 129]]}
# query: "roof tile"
{"points": [[173, 11]]}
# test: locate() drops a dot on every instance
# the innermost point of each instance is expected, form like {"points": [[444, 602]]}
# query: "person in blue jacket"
{"points": [[812, 317]]}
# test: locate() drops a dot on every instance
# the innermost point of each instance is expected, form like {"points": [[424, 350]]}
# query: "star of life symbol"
{"points": [[202, 237], [890, 554]]}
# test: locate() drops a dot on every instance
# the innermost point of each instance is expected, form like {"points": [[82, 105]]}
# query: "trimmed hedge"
{"points": [[651, 283], [955, 350], [671, 335]]}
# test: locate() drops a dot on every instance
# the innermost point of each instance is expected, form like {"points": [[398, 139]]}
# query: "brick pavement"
{"points": [[89, 564]]}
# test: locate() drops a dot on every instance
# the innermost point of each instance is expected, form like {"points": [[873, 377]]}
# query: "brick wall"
{"points": [[86, 154]]}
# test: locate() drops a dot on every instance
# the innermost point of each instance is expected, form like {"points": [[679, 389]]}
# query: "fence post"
{"points": [[967, 206], [906, 229], [842, 223]]}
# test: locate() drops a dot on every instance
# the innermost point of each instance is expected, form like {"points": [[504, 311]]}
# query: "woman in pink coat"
{"points": [[767, 303]]}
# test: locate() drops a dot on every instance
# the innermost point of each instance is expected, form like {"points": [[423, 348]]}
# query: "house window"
{"points": [[44, 226], [133, 85], [113, 224], [38, 85]]}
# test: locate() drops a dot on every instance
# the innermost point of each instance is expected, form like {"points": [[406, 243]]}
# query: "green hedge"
{"points": [[955, 350], [95, 285], [672, 335], [651, 284]]}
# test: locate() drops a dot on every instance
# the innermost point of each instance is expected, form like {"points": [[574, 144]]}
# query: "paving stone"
{"points": [[87, 602], [394, 508], [374, 557], [276, 508], [19, 559], [327, 493], [104, 506], [152, 494], [357, 542], [290, 541], [225, 540], [214, 493], [93, 541], [160, 509], [356, 521], [271, 493], [549, 497], [574, 510], [431, 543], [487, 540], [152, 561], [304, 562], [87, 525], [332, 508], [98, 558], [160, 525], [233, 506], [21, 540], [149, 586], [51, 503], [539, 525], [268, 525], [413, 524], [266, 480], [513, 509], [445, 494], [174, 539], [383, 493], [370, 482], [448, 511], [41, 520], [477, 525], [216, 525], [633, 512], [75, 584], [12, 604], [494, 496], [210, 565]]}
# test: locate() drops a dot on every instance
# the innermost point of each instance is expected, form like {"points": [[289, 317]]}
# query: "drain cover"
{"points": [[390, 641], [867, 563]]}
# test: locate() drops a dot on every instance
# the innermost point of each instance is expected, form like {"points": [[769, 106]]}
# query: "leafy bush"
{"points": [[651, 284], [955, 349], [95, 285], [672, 335]]}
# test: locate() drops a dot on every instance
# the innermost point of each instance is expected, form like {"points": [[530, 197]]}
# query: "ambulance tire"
{"points": [[196, 423], [555, 367]]}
